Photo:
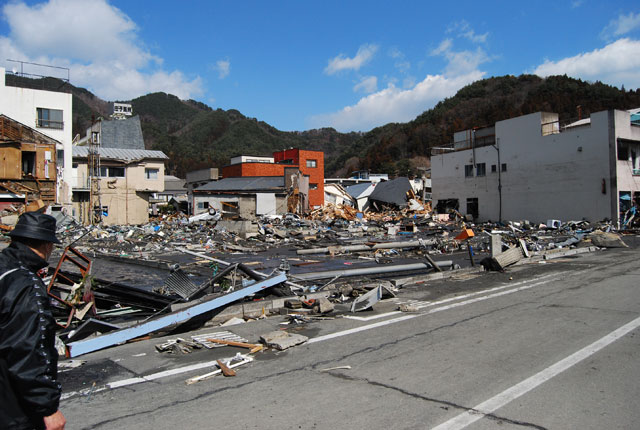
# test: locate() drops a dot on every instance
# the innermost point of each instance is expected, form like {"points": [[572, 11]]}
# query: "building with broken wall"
{"points": [[534, 168], [128, 179], [28, 163], [244, 198], [49, 112], [309, 163]]}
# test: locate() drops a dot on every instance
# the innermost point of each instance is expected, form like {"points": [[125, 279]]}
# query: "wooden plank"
{"points": [[226, 371], [251, 346], [433, 263]]}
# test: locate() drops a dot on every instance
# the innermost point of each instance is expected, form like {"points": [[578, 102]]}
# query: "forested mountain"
{"points": [[196, 136], [401, 148]]}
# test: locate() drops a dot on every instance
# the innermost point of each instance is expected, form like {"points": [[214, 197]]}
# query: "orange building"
{"points": [[310, 163]]}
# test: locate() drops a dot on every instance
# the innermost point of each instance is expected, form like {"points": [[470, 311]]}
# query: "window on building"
{"points": [[481, 169], [312, 163], [203, 205], [151, 173], [111, 172], [468, 170], [49, 118], [504, 167], [493, 168], [60, 157], [623, 152], [313, 186]]}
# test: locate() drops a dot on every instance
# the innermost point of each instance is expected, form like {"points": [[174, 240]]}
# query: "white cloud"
{"points": [[97, 41], [401, 63], [620, 26], [618, 63], [367, 84], [444, 46], [463, 29], [223, 67], [393, 104], [341, 62], [459, 62]]}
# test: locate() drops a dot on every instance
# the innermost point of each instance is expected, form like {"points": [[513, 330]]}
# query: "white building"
{"points": [[250, 159], [48, 112], [531, 167]]}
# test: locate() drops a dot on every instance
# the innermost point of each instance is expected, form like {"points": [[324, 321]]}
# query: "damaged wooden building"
{"points": [[27, 167]]}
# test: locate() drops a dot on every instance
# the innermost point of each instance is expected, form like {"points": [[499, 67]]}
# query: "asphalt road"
{"points": [[545, 346]]}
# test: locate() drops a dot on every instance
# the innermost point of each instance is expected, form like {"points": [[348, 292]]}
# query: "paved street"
{"points": [[544, 346]]}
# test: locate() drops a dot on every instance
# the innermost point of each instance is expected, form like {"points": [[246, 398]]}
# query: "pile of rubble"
{"points": [[337, 257]]}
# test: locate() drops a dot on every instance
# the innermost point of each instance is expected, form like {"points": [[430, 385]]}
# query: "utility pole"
{"points": [[95, 205]]}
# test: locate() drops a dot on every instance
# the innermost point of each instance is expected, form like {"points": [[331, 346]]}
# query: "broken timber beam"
{"points": [[226, 371], [113, 338], [251, 346]]}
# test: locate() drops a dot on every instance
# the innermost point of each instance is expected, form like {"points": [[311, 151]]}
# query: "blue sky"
{"points": [[298, 65]]}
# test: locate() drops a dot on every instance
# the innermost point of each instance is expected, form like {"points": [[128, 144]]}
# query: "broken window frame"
{"points": [[29, 163], [468, 171], [623, 151], [473, 207]]}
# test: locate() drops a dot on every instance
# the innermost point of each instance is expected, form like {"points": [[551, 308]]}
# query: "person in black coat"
{"points": [[29, 390]]}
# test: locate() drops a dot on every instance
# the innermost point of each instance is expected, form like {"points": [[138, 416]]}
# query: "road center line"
{"points": [[488, 407]]}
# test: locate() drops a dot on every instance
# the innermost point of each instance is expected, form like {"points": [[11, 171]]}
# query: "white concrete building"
{"points": [[48, 112], [250, 159], [532, 167]]}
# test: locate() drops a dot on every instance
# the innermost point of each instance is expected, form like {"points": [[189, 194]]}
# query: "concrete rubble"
{"points": [[124, 283]]}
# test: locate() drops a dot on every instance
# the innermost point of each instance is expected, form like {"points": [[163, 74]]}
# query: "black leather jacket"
{"points": [[29, 389]]}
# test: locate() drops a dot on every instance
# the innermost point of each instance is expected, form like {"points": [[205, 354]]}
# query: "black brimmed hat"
{"points": [[34, 225]]}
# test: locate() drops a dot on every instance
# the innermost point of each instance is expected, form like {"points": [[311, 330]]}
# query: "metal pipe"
{"points": [[242, 267], [312, 276], [365, 248]]}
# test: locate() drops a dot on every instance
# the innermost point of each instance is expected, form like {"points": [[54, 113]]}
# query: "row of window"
{"points": [[481, 169], [119, 172]]}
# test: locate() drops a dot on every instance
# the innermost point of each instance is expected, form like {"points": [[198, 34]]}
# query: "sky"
{"points": [[300, 65]]}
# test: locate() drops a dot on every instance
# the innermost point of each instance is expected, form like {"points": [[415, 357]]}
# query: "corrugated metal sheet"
{"points": [[122, 134], [392, 192], [120, 154]]}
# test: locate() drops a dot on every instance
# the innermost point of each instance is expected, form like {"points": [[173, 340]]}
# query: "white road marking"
{"points": [[372, 317], [488, 407], [137, 380], [431, 311]]}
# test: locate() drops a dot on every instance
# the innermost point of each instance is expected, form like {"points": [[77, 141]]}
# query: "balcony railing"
{"points": [[47, 123]]}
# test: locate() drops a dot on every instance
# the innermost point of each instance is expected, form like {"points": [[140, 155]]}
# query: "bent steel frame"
{"points": [[75, 349]]}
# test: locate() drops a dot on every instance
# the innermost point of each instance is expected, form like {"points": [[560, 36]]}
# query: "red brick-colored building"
{"points": [[310, 163]]}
